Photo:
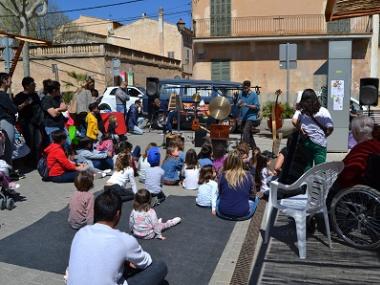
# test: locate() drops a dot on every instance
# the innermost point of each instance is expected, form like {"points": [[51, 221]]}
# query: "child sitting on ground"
{"points": [[143, 163], [106, 144], [153, 176], [253, 160], [81, 205], [219, 156], [243, 149], [190, 171], [208, 189], [204, 156], [264, 174], [143, 221], [171, 165], [123, 174]]}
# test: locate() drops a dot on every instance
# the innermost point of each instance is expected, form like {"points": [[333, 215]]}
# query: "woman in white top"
{"points": [[208, 189], [122, 176], [143, 163], [190, 171], [315, 124]]}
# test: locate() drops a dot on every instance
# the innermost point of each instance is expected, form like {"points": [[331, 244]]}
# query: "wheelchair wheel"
{"points": [[355, 214]]}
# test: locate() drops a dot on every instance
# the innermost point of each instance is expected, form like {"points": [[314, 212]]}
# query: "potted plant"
{"points": [[286, 115]]}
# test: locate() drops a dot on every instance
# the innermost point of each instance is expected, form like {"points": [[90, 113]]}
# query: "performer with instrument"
{"points": [[249, 104]]}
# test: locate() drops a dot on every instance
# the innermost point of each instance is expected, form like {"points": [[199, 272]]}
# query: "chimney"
{"points": [[161, 30]]}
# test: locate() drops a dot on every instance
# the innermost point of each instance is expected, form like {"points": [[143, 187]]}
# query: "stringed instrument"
{"points": [[275, 123]]}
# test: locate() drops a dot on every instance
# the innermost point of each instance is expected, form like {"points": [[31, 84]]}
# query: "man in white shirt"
{"points": [[101, 254]]}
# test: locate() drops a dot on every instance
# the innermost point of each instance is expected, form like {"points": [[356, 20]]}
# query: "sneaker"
{"points": [[174, 221], [13, 185]]}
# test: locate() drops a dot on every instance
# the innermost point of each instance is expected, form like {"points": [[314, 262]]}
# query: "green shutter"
{"points": [[220, 17], [220, 70]]}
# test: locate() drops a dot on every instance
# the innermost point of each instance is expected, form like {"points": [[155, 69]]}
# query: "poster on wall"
{"points": [[337, 94]]}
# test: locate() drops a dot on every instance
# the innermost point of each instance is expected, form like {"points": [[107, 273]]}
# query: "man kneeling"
{"points": [[101, 254]]}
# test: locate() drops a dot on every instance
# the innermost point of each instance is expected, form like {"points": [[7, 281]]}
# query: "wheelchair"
{"points": [[355, 211]]}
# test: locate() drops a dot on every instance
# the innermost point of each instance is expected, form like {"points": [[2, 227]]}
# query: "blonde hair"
{"points": [[123, 160], [234, 169]]}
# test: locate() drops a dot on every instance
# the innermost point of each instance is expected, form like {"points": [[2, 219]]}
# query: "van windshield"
{"points": [[188, 91]]}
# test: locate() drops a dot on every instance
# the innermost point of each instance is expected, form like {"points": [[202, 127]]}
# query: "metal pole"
{"points": [[7, 56], [287, 72], [178, 113]]}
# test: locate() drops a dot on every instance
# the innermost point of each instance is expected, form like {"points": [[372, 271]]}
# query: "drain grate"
{"points": [[244, 262]]}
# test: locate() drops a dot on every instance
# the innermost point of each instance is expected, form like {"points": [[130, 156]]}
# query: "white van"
{"points": [[108, 101]]}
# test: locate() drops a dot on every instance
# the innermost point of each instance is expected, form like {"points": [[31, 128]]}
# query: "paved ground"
{"points": [[43, 198]]}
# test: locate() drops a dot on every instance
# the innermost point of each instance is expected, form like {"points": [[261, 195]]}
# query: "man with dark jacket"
{"points": [[134, 121]]}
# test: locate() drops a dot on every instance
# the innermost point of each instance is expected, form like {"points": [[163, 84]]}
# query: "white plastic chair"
{"points": [[318, 181]]}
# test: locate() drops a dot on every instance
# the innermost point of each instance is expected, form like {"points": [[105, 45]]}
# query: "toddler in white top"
{"points": [[123, 173], [143, 163], [190, 171], [143, 221], [208, 189]]}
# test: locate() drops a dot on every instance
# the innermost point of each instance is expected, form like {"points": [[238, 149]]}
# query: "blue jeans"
{"points": [[137, 129], [122, 109], [251, 212], [169, 121], [103, 164], [66, 177]]}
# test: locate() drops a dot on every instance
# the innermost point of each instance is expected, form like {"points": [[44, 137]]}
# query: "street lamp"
{"points": [[181, 25]]}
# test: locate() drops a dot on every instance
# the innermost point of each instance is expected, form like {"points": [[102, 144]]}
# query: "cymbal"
{"points": [[219, 108], [196, 97]]}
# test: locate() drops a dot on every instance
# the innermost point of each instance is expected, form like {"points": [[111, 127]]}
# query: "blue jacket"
{"points": [[172, 166], [251, 98]]}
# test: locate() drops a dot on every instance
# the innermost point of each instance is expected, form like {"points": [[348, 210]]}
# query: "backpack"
{"points": [[42, 167]]}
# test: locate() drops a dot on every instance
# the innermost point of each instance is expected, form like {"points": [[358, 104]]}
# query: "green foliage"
{"points": [[67, 96], [287, 113], [78, 77]]}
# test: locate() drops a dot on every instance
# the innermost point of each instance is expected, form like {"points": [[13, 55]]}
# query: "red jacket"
{"points": [[355, 163], [57, 162]]}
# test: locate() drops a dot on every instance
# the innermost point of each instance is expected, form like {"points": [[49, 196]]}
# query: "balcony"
{"points": [[297, 25]]}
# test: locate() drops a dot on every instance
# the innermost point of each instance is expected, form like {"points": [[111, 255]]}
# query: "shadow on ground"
{"points": [[192, 249]]}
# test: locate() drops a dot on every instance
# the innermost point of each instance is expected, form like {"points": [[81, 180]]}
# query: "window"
{"points": [[171, 54], [220, 70], [133, 92], [220, 17]]}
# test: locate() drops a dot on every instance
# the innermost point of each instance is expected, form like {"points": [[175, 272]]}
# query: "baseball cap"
{"points": [[154, 156]]}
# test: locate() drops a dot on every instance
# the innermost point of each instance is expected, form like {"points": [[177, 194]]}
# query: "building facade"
{"points": [[95, 60], [238, 40]]}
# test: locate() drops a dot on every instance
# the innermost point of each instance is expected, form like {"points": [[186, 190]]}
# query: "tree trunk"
{"points": [[25, 50]]}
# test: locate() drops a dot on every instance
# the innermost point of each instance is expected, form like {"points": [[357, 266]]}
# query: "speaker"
{"points": [[152, 86], [369, 91]]}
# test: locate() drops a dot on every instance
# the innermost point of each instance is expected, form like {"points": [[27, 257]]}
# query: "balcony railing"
{"points": [[278, 26]]}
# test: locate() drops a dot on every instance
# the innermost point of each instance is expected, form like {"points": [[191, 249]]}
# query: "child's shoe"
{"points": [[174, 221]]}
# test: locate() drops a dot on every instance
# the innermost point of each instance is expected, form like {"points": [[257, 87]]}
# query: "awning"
{"points": [[23, 38], [343, 9]]}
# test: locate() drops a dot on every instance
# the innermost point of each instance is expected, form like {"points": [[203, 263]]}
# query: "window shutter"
{"points": [[220, 17], [220, 70]]}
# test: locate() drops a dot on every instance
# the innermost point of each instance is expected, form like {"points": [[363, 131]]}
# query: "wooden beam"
{"points": [[353, 14], [16, 57], [329, 9]]}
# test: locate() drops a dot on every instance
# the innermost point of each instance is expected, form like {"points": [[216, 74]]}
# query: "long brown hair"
{"points": [[309, 102], [191, 160], [142, 200], [123, 160], [233, 169], [205, 174]]}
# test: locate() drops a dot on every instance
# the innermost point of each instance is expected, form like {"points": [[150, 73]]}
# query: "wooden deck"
{"points": [[278, 263]]}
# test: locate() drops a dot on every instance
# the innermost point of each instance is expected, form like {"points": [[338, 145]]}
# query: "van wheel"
{"points": [[105, 107]]}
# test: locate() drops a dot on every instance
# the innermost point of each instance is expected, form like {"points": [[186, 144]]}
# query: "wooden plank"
{"points": [[339, 265]]}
